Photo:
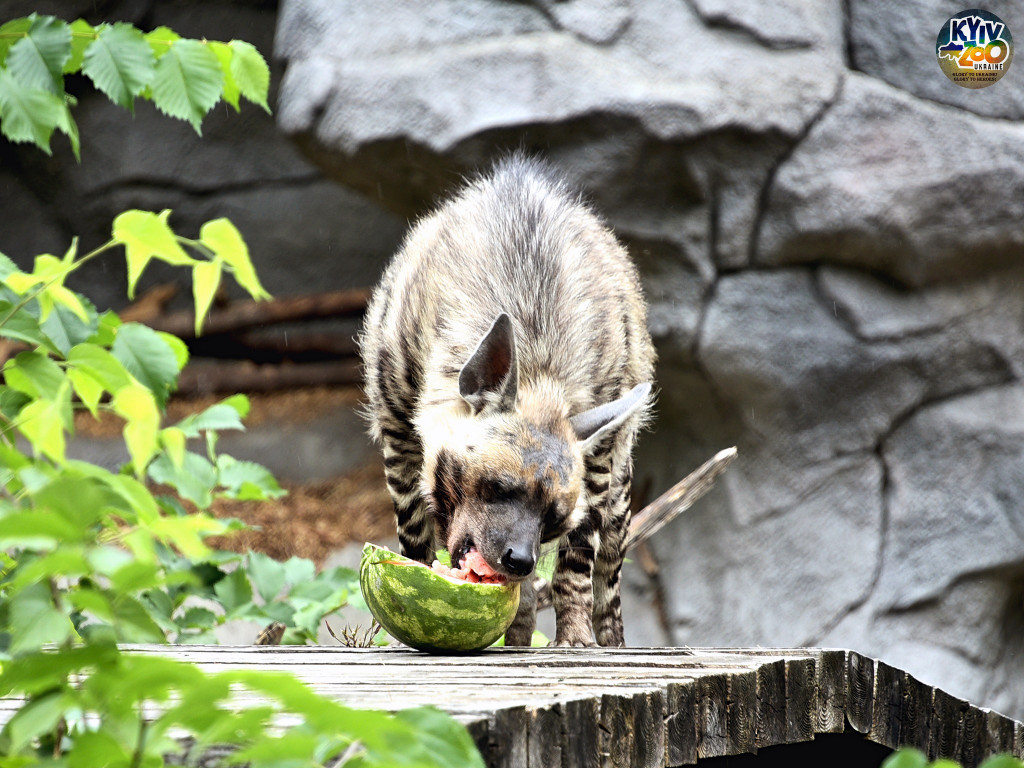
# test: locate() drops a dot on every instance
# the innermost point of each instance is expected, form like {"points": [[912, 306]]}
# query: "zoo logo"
{"points": [[974, 48]]}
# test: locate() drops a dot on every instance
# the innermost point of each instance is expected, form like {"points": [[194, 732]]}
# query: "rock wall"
{"points": [[830, 235]]}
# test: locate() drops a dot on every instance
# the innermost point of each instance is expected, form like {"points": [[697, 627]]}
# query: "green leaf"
{"points": [[198, 618], [173, 441], [82, 36], [299, 570], [28, 114], [37, 530], [246, 480], [120, 63], [234, 591], [224, 239], [148, 358], [42, 423], [441, 738], [267, 574], [187, 82], [1002, 761], [20, 325], [219, 416], [37, 60], [194, 480], [88, 390], [67, 328], [98, 363], [145, 236], [224, 56], [443, 558], [35, 621], [179, 347], [93, 748], [160, 40], [35, 374], [11, 32], [250, 72], [137, 405], [205, 282], [37, 717], [906, 758]]}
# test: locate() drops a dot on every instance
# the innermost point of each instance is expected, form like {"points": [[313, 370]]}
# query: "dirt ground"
{"points": [[314, 519]]}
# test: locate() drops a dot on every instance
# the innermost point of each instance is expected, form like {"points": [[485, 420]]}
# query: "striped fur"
{"points": [[503, 353]]}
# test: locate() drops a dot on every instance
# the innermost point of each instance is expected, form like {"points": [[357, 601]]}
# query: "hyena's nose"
{"points": [[518, 562]]}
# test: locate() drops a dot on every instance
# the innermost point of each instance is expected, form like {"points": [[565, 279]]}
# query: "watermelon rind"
{"points": [[430, 612]]}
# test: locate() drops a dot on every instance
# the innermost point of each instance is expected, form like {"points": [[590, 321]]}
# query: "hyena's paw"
{"points": [[573, 643]]}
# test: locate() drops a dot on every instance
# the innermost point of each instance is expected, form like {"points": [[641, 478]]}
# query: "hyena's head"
{"points": [[507, 477]]}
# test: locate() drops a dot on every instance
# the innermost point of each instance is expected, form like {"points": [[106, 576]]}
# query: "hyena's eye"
{"points": [[495, 491]]}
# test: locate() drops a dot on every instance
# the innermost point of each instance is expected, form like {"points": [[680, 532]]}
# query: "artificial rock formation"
{"points": [[830, 237]]}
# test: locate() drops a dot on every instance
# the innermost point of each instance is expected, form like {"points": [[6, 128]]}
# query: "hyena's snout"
{"points": [[512, 547], [519, 558]]}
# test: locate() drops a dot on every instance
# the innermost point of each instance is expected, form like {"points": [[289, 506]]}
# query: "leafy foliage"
{"points": [[183, 78], [90, 558], [908, 757]]}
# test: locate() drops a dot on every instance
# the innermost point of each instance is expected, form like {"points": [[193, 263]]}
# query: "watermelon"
{"points": [[429, 610]]}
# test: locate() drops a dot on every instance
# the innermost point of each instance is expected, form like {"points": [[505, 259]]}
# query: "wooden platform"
{"points": [[642, 706]]}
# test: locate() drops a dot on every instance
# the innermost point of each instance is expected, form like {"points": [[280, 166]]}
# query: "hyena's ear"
{"points": [[491, 375], [590, 426]]}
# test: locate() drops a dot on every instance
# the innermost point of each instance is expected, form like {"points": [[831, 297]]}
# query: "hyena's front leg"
{"points": [[521, 630], [403, 462], [608, 565], [572, 586]]}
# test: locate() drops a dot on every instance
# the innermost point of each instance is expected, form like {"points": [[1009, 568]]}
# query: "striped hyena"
{"points": [[508, 369]]}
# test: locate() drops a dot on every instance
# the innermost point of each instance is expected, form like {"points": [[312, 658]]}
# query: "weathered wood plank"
{"points": [[887, 713], [584, 708], [681, 724], [860, 691], [770, 716], [947, 724], [649, 730], [712, 716], [801, 700], [581, 733], [544, 736], [741, 714], [830, 677]]}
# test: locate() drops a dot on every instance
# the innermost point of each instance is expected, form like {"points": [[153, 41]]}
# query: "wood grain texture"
{"points": [[644, 707]]}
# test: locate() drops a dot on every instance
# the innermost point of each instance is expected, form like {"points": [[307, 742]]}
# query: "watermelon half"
{"points": [[432, 612]]}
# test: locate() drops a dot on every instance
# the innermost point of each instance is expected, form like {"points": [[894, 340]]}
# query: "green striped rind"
{"points": [[427, 611]]}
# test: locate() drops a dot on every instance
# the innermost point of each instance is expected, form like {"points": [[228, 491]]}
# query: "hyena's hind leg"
{"points": [[610, 554], [403, 463]]}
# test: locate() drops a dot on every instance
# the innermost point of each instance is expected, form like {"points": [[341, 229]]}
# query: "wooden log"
{"points": [[860, 691], [544, 737], [916, 720], [830, 677], [649, 729], [712, 717], [681, 723], [998, 733], [770, 714], [247, 377], [741, 719], [243, 315], [581, 733], [616, 732], [508, 745], [945, 740], [678, 498], [887, 712], [801, 700]]}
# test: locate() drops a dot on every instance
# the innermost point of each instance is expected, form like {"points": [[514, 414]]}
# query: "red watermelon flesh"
{"points": [[473, 569]]}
